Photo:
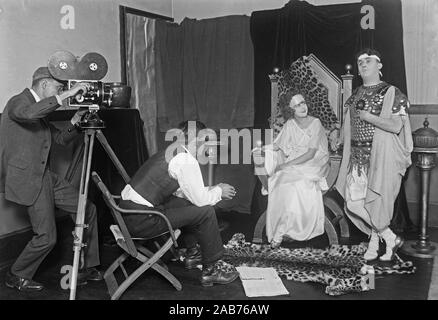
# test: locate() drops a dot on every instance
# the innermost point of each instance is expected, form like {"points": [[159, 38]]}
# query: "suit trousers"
{"points": [[198, 225], [55, 193]]}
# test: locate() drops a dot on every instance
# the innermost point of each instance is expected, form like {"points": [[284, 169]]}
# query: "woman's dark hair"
{"points": [[284, 102], [184, 126]]}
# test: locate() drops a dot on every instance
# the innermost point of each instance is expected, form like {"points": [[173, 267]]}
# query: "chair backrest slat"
{"points": [[112, 205]]}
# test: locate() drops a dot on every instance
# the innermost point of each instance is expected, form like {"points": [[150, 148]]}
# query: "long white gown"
{"points": [[295, 205]]}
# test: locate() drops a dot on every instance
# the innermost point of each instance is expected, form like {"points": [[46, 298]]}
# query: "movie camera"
{"points": [[90, 68], [103, 94]]}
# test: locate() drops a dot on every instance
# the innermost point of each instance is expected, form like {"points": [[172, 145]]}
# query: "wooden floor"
{"points": [[151, 286]]}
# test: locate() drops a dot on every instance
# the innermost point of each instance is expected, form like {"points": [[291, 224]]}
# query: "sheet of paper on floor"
{"points": [[261, 282]]}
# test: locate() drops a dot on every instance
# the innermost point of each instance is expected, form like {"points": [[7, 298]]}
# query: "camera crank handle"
{"points": [[79, 96]]}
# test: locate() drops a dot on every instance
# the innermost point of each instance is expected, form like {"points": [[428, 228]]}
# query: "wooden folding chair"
{"points": [[133, 248]]}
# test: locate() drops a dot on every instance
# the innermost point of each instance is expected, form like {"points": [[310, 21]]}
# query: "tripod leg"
{"points": [[80, 216], [78, 154], [112, 155]]}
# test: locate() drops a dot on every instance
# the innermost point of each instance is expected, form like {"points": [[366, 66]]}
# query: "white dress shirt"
{"points": [[185, 169], [35, 96]]}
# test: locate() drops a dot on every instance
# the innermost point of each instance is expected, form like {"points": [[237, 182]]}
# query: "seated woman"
{"points": [[296, 165]]}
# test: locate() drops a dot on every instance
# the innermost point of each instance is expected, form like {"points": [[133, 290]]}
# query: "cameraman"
{"points": [[26, 137]]}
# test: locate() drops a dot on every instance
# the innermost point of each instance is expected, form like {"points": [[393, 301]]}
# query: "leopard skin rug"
{"points": [[340, 268]]}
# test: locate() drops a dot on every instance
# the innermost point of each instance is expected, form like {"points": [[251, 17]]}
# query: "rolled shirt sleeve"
{"points": [[184, 168]]}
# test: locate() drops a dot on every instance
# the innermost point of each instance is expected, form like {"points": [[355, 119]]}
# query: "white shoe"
{"points": [[373, 247], [393, 243]]}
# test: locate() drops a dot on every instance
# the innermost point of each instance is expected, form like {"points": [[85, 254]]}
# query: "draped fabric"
{"points": [[141, 73], [205, 72], [421, 49], [169, 57], [333, 33], [389, 159], [295, 205]]}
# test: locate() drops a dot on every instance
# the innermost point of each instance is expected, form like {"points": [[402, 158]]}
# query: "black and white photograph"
{"points": [[219, 157]]}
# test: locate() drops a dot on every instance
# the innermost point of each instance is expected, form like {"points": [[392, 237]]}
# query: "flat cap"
{"points": [[41, 73]]}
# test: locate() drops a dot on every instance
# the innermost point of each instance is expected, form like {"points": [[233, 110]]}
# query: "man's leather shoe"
{"points": [[89, 274], [219, 273], [25, 285], [193, 258]]}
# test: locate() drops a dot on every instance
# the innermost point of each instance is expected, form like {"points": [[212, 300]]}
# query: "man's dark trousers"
{"points": [[198, 225], [55, 192]]}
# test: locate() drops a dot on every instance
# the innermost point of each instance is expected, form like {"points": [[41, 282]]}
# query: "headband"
{"points": [[366, 55]]}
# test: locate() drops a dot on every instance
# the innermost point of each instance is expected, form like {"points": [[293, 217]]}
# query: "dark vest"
{"points": [[153, 182]]}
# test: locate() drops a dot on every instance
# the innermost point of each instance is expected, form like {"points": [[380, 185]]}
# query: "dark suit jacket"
{"points": [[26, 137]]}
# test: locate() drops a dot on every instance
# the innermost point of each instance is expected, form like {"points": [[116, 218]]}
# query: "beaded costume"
{"points": [[368, 98], [369, 199]]}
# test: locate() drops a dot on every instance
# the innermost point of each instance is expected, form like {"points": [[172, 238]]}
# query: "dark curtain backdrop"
{"points": [[205, 71], [333, 33], [168, 74]]}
